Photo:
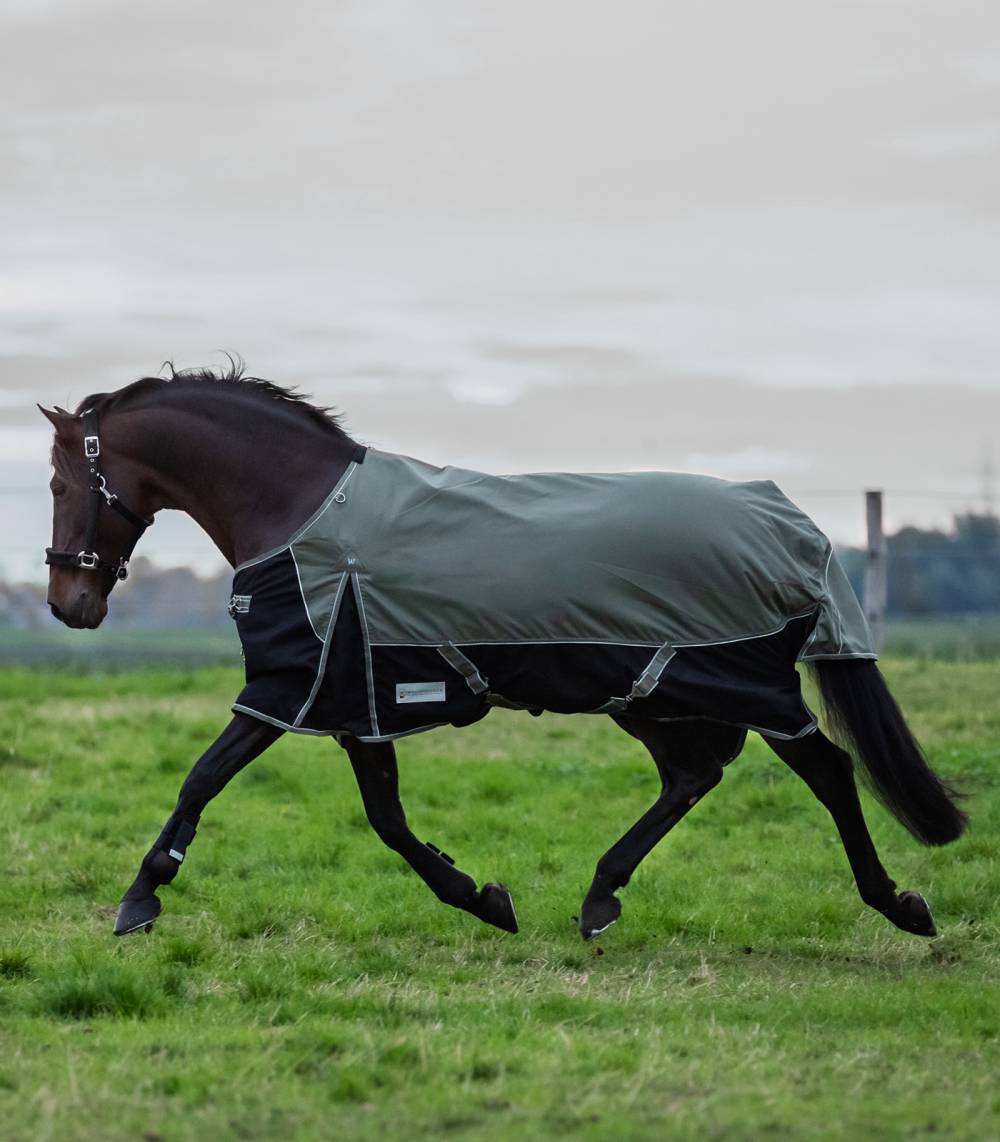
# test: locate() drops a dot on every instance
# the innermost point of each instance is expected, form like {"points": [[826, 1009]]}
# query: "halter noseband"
{"points": [[88, 559]]}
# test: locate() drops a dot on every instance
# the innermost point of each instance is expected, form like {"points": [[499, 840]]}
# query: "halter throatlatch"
{"points": [[100, 494]]}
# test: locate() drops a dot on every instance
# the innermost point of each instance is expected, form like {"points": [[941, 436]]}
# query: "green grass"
{"points": [[968, 638], [959, 638], [58, 647], [302, 983]]}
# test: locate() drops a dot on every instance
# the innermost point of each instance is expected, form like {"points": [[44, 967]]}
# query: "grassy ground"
{"points": [[57, 647], [302, 983], [956, 639]]}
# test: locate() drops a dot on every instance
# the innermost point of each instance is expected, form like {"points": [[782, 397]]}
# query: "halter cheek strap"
{"points": [[100, 494]]}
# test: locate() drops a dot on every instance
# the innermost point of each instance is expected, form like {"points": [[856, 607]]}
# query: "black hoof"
{"points": [[911, 914], [136, 914], [599, 914], [495, 906]]}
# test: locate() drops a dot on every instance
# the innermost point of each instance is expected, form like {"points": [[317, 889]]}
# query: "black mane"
{"points": [[234, 375]]}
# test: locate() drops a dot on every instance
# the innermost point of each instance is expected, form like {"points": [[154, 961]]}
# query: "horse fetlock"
{"points": [[882, 900], [173, 842], [163, 861], [608, 878], [160, 867]]}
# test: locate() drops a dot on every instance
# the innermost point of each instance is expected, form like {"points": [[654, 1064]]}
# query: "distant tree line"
{"points": [[954, 572], [171, 597], [153, 598]]}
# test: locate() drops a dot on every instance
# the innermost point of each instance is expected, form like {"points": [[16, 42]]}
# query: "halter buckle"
{"points": [[89, 560], [121, 571], [91, 447]]}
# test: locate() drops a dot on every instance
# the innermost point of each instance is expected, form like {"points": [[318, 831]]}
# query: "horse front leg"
{"points": [[374, 765], [242, 740]]}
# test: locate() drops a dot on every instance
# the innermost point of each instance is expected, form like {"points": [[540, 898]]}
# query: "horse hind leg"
{"points": [[829, 773], [375, 769], [689, 757]]}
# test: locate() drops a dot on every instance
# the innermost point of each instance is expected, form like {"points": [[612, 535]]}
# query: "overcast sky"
{"points": [[757, 239]]}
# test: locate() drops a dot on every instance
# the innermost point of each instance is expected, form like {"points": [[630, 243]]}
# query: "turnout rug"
{"points": [[419, 596]]}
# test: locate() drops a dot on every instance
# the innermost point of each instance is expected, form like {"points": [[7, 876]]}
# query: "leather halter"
{"points": [[88, 559]]}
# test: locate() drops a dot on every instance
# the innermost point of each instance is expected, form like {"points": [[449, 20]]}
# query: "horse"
{"points": [[253, 463]]}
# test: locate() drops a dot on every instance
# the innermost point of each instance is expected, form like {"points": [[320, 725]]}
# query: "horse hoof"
{"points": [[599, 915], [913, 915], [136, 914], [495, 905]]}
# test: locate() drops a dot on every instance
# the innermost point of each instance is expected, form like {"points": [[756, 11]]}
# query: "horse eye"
{"points": [[58, 489]]}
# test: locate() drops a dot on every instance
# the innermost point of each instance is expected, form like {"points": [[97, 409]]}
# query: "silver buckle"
{"points": [[91, 447], [88, 560]]}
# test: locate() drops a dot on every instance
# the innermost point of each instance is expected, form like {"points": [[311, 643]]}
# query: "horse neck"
{"points": [[248, 475]]}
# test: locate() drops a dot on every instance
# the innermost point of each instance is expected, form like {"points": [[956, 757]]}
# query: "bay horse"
{"points": [[252, 462]]}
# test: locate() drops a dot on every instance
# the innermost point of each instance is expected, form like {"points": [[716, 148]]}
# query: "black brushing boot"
{"points": [[140, 905]]}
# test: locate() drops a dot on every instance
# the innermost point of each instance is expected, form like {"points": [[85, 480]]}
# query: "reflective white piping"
{"points": [[808, 729], [526, 642], [748, 637], [238, 709], [606, 641], [327, 642], [826, 594], [348, 473], [868, 655], [401, 734], [305, 602], [368, 651]]}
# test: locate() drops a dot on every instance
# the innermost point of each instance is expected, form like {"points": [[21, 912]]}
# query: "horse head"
{"points": [[93, 531]]}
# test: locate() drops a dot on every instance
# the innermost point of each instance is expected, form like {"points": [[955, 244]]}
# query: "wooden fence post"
{"points": [[876, 569]]}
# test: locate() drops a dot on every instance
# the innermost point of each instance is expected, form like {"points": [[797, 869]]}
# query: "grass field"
{"points": [[302, 983], [969, 638]]}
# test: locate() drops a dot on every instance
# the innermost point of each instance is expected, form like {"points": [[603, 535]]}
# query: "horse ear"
{"points": [[58, 418]]}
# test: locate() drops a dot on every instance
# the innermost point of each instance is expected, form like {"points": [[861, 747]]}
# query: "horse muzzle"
{"points": [[86, 611]]}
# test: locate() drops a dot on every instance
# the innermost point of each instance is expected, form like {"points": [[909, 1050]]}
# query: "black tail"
{"points": [[863, 714]]}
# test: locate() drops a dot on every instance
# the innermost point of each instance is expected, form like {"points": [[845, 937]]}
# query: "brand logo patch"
{"points": [[419, 692], [239, 605]]}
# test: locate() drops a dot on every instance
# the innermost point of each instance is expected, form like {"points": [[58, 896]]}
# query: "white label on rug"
{"points": [[419, 692]]}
